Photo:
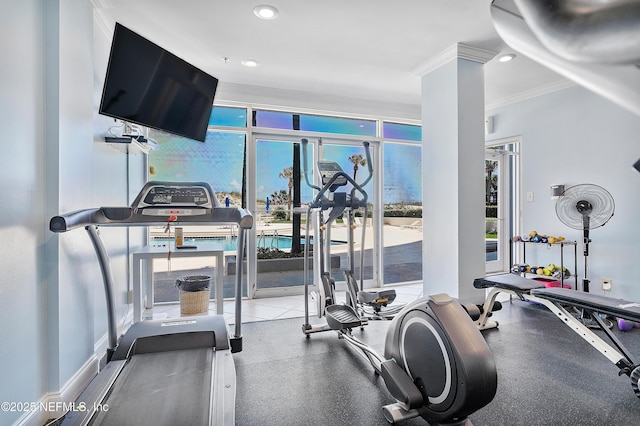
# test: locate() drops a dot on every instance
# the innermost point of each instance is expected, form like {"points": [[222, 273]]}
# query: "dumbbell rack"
{"points": [[561, 244]]}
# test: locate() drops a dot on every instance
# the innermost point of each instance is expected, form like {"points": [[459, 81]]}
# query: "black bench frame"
{"points": [[557, 300]]}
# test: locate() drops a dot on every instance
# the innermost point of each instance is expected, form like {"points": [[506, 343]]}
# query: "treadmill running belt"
{"points": [[163, 388]]}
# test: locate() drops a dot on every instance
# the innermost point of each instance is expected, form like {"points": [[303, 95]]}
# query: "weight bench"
{"points": [[512, 284], [557, 300]]}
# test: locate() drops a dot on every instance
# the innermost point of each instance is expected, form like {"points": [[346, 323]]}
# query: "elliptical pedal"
{"points": [[377, 298], [342, 317]]}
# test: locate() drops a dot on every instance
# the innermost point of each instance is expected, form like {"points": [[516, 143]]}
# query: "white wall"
{"points": [[69, 180], [572, 137], [117, 179], [54, 160], [22, 290]]}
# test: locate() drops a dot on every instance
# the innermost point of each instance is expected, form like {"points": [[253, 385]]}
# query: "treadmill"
{"points": [[171, 371]]}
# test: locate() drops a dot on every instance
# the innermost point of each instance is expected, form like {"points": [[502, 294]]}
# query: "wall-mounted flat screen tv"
{"points": [[149, 86]]}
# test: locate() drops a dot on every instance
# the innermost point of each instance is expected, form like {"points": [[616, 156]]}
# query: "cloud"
{"points": [[236, 185]]}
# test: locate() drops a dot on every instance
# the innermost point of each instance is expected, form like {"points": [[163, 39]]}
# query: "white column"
{"points": [[453, 171]]}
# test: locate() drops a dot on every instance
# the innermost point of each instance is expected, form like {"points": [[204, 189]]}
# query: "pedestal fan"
{"points": [[585, 207]]}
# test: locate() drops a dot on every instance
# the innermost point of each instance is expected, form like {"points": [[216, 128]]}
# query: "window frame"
{"points": [[253, 133]]}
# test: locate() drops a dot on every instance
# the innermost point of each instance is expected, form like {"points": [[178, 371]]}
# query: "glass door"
{"points": [[365, 264], [493, 218], [402, 200], [279, 227], [501, 202], [281, 197]]}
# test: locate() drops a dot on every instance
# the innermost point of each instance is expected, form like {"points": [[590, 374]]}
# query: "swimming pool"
{"points": [[229, 243]]}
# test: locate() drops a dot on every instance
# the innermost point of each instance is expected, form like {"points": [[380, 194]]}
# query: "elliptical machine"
{"points": [[369, 304], [436, 364]]}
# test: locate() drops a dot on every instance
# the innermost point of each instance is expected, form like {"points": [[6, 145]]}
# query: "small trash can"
{"points": [[195, 292]]}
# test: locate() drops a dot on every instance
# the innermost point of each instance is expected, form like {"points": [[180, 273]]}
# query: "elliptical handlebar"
{"points": [[369, 164], [305, 164], [317, 200]]}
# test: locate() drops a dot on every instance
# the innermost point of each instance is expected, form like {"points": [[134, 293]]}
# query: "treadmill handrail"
{"points": [[76, 219], [90, 219], [125, 216]]}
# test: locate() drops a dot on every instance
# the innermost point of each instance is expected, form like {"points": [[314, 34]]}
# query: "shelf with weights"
{"points": [[551, 275]]}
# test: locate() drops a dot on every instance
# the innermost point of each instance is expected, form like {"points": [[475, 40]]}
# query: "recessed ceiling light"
{"points": [[249, 63], [506, 58], [266, 12]]}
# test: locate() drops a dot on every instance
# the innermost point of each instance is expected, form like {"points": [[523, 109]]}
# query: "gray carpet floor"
{"points": [[547, 375]]}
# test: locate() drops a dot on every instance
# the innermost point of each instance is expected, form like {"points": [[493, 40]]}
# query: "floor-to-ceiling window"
{"points": [[402, 194], [252, 158], [218, 161], [282, 192]]}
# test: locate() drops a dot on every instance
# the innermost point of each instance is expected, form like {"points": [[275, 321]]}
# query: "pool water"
{"points": [[229, 243]]}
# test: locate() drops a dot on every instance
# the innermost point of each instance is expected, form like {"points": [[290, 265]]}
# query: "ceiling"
{"points": [[370, 50]]}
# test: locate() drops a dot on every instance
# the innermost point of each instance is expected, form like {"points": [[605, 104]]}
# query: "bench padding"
{"points": [[511, 282], [606, 305]]}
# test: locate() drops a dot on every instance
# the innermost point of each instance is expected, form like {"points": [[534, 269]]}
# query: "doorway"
{"points": [[272, 195], [502, 201]]}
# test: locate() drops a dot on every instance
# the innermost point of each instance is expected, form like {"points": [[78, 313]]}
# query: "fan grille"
{"points": [[570, 207]]}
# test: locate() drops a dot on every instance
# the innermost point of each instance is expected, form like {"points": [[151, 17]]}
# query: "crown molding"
{"points": [[533, 93], [101, 22], [314, 103], [457, 51], [101, 4], [100, 18]]}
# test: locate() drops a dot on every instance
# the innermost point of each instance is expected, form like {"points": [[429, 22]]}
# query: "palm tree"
{"points": [[491, 188], [491, 181], [279, 197], [357, 159], [287, 173]]}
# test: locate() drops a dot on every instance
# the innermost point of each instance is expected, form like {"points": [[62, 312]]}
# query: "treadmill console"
{"points": [[175, 198], [328, 169], [157, 204]]}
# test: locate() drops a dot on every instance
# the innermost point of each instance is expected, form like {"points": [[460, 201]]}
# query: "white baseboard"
{"points": [[75, 385], [52, 405]]}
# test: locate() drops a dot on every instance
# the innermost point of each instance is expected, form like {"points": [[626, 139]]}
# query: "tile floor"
{"points": [[273, 308]]}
